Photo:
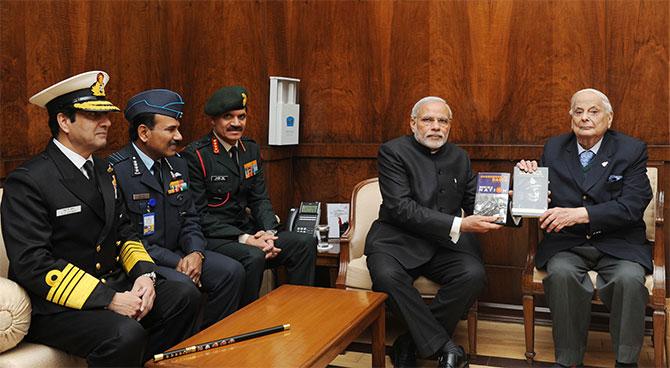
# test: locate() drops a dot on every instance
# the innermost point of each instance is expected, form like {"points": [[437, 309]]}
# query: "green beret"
{"points": [[226, 99]]}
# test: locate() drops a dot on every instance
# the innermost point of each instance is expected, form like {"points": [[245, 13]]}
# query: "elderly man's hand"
{"points": [[557, 218], [527, 166], [479, 224]]}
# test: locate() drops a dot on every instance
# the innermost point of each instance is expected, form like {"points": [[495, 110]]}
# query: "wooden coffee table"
{"points": [[323, 323]]}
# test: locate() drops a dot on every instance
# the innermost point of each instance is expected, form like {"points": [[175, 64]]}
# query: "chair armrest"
{"points": [[15, 313], [344, 261], [658, 292], [529, 267]]}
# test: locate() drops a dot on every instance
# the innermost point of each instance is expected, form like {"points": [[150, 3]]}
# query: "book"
{"points": [[492, 195], [338, 219], [530, 192]]}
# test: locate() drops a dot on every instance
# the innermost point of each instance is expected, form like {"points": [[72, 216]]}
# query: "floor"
{"points": [[502, 344]]}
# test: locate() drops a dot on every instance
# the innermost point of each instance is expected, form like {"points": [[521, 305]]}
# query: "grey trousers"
{"points": [[569, 292]]}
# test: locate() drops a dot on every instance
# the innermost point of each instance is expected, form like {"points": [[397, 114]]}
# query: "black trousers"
{"points": [[298, 254], [461, 276], [221, 278], [108, 339]]}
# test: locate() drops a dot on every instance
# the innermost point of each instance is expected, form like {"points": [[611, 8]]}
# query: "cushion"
{"points": [[14, 314], [39, 356], [358, 277]]}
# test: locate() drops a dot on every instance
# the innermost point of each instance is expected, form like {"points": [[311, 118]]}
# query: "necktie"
{"points": [[585, 158], [158, 173], [233, 155], [88, 166]]}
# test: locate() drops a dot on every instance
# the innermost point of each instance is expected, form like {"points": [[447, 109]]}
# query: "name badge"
{"points": [[68, 211], [250, 169], [149, 224], [140, 196], [215, 178]]}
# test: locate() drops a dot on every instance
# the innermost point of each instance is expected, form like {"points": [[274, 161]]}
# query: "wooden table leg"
{"points": [[378, 329]]}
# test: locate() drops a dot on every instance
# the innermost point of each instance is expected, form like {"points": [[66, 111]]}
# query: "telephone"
{"points": [[305, 218]]}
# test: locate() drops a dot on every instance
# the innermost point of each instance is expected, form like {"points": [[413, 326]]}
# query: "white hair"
{"points": [[429, 99], [606, 101]]}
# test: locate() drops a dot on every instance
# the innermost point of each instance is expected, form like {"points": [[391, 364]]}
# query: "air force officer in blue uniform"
{"points": [[154, 181]]}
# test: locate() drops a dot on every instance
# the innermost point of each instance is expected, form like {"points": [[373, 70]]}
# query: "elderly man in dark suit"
{"points": [[599, 191], [425, 183], [91, 283], [154, 180]]}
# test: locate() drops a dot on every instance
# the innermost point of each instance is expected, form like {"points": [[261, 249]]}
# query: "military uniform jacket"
{"points": [[223, 189], [422, 192], [176, 222], [69, 244], [615, 192]]}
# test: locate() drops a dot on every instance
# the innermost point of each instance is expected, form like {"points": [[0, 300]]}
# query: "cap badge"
{"points": [[98, 88], [244, 99]]}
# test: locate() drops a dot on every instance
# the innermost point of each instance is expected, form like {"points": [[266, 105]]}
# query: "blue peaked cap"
{"points": [[155, 101]]}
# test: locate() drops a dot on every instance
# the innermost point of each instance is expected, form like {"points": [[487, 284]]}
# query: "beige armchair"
{"points": [[531, 283], [353, 273]]}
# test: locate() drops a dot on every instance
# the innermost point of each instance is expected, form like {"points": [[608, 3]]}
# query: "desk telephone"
{"points": [[305, 218]]}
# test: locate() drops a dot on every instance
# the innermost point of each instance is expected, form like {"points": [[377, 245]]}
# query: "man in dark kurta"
{"points": [[426, 184]]}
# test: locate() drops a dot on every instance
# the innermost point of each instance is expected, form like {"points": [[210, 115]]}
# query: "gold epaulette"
{"points": [[70, 287], [131, 253]]}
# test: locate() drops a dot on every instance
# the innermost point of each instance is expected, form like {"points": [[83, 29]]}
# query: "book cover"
{"points": [[492, 195], [530, 192]]}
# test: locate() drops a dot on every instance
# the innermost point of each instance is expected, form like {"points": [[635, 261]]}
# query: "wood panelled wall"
{"points": [[507, 68]]}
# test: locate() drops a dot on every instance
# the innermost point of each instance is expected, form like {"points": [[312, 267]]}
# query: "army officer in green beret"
{"points": [[227, 178]]}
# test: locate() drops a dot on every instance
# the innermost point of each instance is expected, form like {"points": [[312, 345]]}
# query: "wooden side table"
{"points": [[331, 260]]}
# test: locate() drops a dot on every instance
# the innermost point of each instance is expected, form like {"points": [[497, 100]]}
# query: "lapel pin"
{"points": [[604, 163]]}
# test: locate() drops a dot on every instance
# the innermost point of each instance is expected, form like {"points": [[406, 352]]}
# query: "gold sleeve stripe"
{"points": [[131, 253], [54, 278], [82, 291], [70, 287], [67, 284]]}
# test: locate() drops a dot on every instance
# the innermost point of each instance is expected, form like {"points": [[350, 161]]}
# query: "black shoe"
{"points": [[404, 352], [624, 365], [453, 360]]}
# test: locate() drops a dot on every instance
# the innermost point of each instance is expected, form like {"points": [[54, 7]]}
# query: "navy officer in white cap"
{"points": [[92, 285], [154, 181]]}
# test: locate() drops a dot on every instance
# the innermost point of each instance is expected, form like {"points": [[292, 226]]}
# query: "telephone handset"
{"points": [[305, 218]]}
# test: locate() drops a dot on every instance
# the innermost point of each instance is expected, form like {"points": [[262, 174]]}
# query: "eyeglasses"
{"points": [[428, 121]]}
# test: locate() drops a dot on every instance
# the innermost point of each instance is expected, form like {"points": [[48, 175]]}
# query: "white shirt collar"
{"points": [[73, 156], [148, 161], [227, 146], [593, 149]]}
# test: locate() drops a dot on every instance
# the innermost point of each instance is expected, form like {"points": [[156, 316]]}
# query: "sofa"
{"points": [[14, 323]]}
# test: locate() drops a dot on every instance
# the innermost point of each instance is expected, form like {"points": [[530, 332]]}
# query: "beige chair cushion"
{"points": [[358, 277], [650, 211], [366, 210], [4, 262], [14, 314], [538, 276], [38, 356]]}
